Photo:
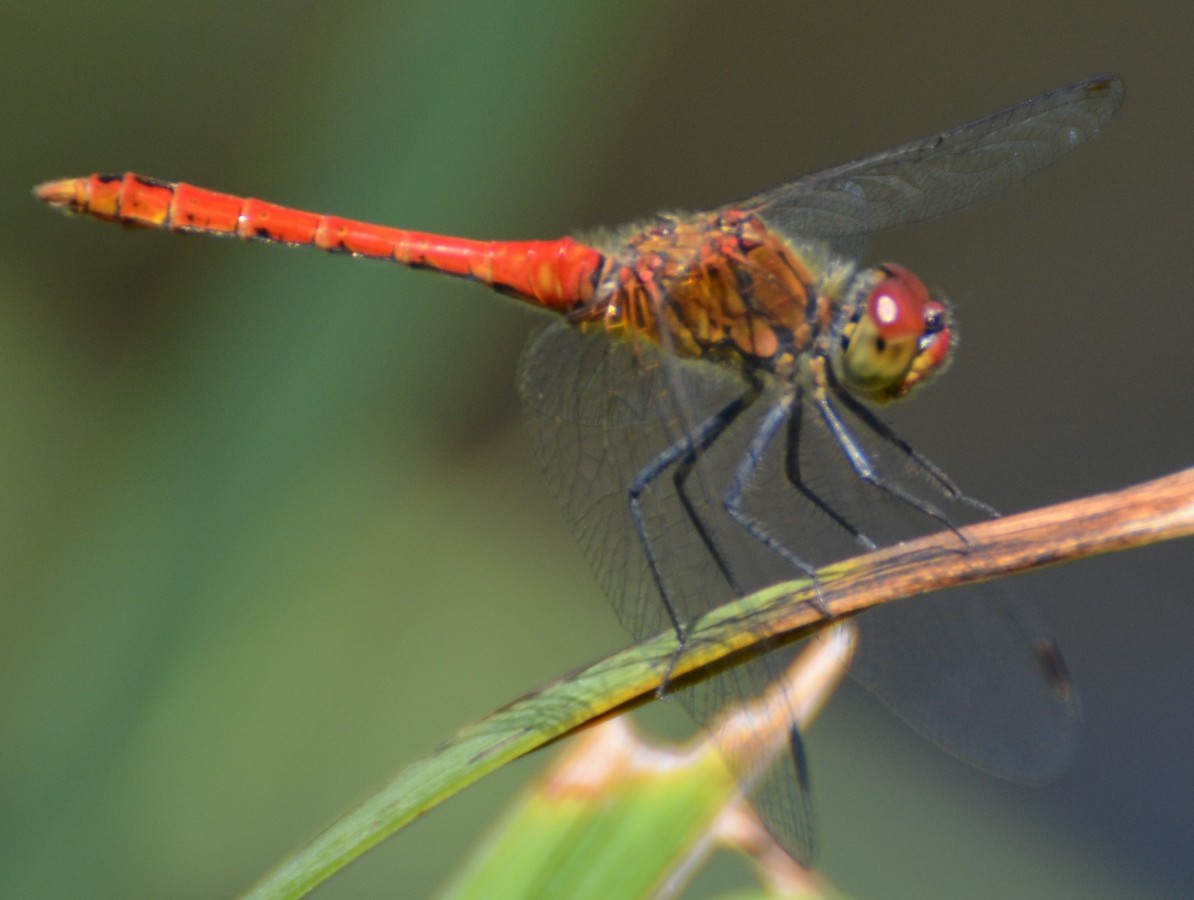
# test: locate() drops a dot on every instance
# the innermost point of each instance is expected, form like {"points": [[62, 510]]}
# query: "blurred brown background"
{"points": [[269, 526]]}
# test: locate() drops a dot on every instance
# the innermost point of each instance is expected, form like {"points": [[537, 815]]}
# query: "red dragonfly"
{"points": [[702, 406]]}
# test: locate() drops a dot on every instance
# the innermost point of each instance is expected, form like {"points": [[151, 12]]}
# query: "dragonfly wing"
{"points": [[976, 671], [778, 788], [977, 675], [601, 409], [943, 172], [973, 669]]}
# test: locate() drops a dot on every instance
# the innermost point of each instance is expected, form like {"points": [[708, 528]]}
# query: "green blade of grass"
{"points": [[1157, 510], [621, 815]]}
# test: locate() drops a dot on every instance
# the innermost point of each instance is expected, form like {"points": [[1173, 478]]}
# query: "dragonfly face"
{"points": [[893, 338]]}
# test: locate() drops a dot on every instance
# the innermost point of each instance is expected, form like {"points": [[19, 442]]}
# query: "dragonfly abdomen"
{"points": [[556, 274]]}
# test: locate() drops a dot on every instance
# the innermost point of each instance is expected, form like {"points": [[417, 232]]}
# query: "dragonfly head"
{"points": [[895, 338]]}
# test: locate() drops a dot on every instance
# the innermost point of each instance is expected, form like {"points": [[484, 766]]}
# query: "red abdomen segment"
{"points": [[559, 275]]}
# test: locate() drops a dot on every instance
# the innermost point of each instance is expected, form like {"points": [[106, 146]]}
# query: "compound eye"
{"points": [[896, 306], [884, 341]]}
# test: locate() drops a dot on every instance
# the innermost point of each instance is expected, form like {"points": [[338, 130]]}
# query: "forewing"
{"points": [[601, 410], [943, 172]]}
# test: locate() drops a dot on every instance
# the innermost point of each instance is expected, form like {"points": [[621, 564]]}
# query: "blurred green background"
{"points": [[269, 525]]}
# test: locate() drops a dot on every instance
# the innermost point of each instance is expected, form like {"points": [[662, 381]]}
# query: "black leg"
{"points": [[683, 453], [865, 469], [745, 473], [796, 479], [883, 431], [680, 479]]}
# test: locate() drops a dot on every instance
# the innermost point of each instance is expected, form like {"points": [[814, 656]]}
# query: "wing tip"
{"points": [[1107, 88]]}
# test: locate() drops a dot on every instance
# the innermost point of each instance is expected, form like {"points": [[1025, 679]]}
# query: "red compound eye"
{"points": [[896, 304]]}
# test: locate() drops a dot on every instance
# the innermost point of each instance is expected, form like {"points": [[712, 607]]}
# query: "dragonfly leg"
{"points": [[682, 454], [796, 479], [865, 469], [744, 474], [680, 480], [882, 430]]}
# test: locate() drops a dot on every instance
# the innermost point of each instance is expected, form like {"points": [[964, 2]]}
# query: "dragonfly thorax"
{"points": [[719, 286]]}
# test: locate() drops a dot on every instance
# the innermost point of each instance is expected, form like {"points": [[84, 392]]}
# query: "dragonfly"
{"points": [[704, 407]]}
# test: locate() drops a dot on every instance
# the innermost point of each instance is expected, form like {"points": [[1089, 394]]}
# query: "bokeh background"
{"points": [[269, 524]]}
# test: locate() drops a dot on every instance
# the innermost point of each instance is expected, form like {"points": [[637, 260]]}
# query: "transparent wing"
{"points": [[977, 672], [978, 675], [600, 411], [943, 172]]}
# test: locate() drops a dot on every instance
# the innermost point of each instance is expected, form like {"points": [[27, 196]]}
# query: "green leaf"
{"points": [[620, 816], [1145, 514]]}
